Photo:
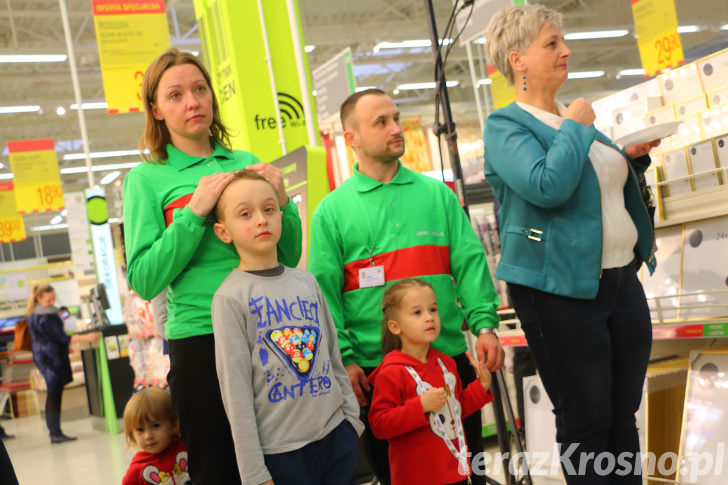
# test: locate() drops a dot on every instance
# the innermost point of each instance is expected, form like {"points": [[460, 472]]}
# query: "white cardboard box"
{"points": [[660, 115], [690, 107], [713, 70], [715, 122], [680, 84], [702, 158], [721, 150], [675, 164], [718, 97]]}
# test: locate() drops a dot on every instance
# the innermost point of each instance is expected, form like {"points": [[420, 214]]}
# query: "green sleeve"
{"points": [[473, 285], [155, 254], [290, 244], [326, 262]]}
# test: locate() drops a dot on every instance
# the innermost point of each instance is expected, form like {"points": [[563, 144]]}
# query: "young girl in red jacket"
{"points": [[150, 425], [418, 401]]}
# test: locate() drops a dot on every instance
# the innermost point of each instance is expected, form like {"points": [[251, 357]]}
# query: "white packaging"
{"points": [[715, 122], [680, 84], [688, 132], [718, 97], [660, 115], [628, 119], [675, 164], [691, 107], [713, 71], [702, 158], [721, 150]]}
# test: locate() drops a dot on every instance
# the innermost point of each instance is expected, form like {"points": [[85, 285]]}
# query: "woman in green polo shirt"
{"points": [[170, 243]]}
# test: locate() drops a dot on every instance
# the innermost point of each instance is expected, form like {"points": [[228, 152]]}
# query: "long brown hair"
{"points": [[390, 304], [156, 134], [35, 293]]}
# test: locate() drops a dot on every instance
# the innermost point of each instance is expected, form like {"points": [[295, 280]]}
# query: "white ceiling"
{"points": [[34, 26]]}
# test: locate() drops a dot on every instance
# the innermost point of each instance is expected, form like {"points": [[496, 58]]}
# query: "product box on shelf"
{"points": [[690, 107], [721, 150], [702, 158], [688, 132], [715, 121], [631, 117], [674, 165], [718, 97], [646, 91], [680, 84], [713, 70], [660, 115]]}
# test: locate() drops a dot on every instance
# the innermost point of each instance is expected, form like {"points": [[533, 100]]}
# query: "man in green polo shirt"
{"points": [[387, 223]]}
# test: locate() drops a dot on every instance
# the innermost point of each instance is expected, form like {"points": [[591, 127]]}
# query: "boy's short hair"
{"points": [[145, 407], [243, 174]]}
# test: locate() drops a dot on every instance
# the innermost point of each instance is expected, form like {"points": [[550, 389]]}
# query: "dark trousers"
{"points": [[328, 461], [7, 472], [377, 451], [53, 411], [197, 401], [592, 356]]}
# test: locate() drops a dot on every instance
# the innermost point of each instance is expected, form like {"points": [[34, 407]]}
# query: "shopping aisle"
{"points": [[94, 458]]}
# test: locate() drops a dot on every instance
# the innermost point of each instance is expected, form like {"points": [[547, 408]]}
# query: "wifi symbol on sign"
{"points": [[289, 106]]}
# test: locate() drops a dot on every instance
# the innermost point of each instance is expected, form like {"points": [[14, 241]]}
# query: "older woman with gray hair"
{"points": [[574, 230]]}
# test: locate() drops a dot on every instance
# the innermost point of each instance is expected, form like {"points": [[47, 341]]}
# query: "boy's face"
{"points": [[154, 437], [250, 217]]}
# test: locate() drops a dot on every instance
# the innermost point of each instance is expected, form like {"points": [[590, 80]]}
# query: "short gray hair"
{"points": [[513, 29]]}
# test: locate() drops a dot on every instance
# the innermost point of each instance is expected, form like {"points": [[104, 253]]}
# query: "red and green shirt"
{"points": [[169, 245], [415, 227]]}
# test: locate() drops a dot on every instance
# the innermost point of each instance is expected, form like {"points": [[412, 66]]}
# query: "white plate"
{"points": [[661, 130]]}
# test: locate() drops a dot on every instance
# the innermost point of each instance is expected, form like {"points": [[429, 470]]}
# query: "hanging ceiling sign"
{"points": [[502, 93], [130, 35], [655, 23], [333, 82], [12, 227], [36, 178]]}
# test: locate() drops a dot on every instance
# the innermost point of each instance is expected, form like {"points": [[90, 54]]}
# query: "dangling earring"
{"points": [[524, 82]]}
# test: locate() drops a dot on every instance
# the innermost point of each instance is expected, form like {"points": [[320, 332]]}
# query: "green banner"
{"points": [[234, 51]]}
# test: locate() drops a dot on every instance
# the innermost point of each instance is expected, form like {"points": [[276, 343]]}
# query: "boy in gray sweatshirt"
{"points": [[293, 415]]}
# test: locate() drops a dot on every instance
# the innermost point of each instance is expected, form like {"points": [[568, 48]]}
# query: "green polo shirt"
{"points": [[167, 245], [414, 226]]}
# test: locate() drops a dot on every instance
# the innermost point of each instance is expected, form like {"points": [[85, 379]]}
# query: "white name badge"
{"points": [[371, 276]]}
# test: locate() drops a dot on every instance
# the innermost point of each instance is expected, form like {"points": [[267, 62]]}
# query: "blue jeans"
{"points": [[592, 357], [328, 461]]}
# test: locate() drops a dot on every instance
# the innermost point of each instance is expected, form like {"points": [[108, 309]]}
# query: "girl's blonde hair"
{"points": [[35, 293], [390, 304], [148, 406], [156, 134]]}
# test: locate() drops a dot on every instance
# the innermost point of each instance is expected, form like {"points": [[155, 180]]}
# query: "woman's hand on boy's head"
{"points": [[274, 177], [480, 370], [433, 399], [208, 192]]}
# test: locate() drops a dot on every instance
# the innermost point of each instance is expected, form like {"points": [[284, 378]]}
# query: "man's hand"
{"points": [[359, 383], [488, 346], [480, 371]]}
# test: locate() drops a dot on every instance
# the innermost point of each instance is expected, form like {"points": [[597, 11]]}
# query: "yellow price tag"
{"points": [[502, 93], [37, 181], [130, 35], [12, 227], [657, 37]]}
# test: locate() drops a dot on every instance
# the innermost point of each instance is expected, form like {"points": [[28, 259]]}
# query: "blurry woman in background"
{"points": [[574, 229], [50, 353]]}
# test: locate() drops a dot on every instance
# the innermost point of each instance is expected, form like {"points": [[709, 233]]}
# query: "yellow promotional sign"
{"points": [[417, 154], [502, 93], [655, 23], [12, 227], [130, 35], [37, 181]]}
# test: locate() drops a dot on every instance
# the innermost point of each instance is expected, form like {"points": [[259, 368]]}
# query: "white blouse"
{"points": [[619, 234]]}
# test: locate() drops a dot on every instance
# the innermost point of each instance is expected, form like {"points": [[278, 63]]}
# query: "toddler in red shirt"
{"points": [[418, 402], [151, 426]]}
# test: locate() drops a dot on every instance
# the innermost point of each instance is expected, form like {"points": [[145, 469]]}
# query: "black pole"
{"points": [[448, 128]]}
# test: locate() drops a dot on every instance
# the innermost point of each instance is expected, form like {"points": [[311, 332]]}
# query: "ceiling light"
{"points": [[479, 40], [724, 27], [99, 168], [598, 34], [427, 85], [33, 57], [60, 111], [110, 177], [56, 220], [395, 92], [408, 44], [687, 29], [49, 227], [19, 109], [97, 105], [64, 212], [364, 88], [586, 74], [6, 176], [309, 48], [484, 81], [631, 72], [117, 153]]}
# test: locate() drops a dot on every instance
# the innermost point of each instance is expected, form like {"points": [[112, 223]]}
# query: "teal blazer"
{"points": [[550, 207]]}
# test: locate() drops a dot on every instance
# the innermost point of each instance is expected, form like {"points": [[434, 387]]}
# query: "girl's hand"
{"points": [[208, 192], [274, 177], [480, 370], [433, 399], [636, 151]]}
